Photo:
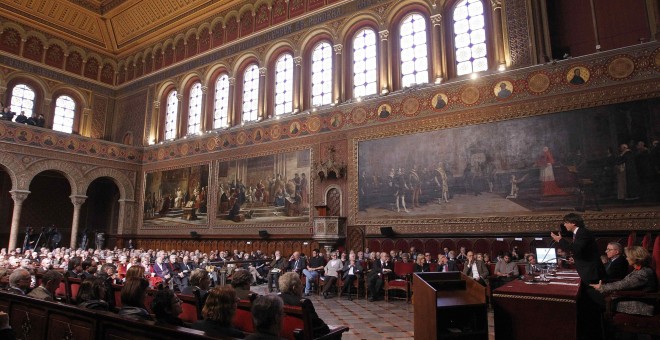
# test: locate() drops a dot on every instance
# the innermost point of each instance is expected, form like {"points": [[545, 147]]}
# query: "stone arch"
{"points": [[349, 26], [239, 62], [126, 188], [215, 21], [111, 62], [203, 26], [245, 8], [70, 172], [21, 31], [11, 166], [67, 90], [260, 2], [165, 86], [278, 48], [313, 34], [190, 32], [229, 15], [37, 35], [59, 43], [341, 197], [188, 77], [211, 73], [409, 6], [179, 37], [43, 87], [80, 51]]}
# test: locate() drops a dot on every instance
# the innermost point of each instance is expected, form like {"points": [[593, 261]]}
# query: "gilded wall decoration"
{"points": [[176, 197], [439, 101], [620, 68], [538, 83], [267, 189], [578, 75], [503, 89], [523, 167]]}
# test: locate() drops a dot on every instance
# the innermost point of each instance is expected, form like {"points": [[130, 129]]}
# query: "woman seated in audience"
{"points": [[199, 284], [218, 313], [330, 278], [487, 259], [132, 299], [167, 307], [91, 294], [421, 266], [135, 271], [642, 278], [291, 290], [241, 283], [267, 315]]}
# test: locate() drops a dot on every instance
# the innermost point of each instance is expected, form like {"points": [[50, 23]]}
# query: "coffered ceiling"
{"points": [[112, 26]]}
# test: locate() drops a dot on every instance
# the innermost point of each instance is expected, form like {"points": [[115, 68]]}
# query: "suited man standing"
{"points": [[383, 268], [617, 265], [584, 249]]}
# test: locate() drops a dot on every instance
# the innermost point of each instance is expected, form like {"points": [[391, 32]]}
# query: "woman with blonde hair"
{"points": [[642, 279], [218, 313]]}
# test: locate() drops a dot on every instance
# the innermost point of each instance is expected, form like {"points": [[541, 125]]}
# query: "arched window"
{"points": [[65, 112], [251, 93], [221, 102], [470, 37], [322, 74], [364, 63], [22, 99], [171, 115], [195, 108], [284, 84], [414, 51]]}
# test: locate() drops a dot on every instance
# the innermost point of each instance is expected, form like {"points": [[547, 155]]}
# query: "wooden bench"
{"points": [[297, 323], [37, 319]]}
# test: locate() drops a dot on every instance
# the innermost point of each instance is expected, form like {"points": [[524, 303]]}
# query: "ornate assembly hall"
{"points": [[326, 169]]}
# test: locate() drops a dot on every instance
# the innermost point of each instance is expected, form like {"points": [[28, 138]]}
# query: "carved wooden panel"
{"points": [[204, 40], [92, 68], [55, 56], [74, 63], [33, 49], [333, 201]]}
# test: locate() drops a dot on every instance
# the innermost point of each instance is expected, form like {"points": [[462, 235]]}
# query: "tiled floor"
{"points": [[370, 320]]}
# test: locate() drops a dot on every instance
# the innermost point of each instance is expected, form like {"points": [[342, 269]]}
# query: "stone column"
{"points": [[204, 122], [126, 214], [338, 78], [155, 133], [77, 201], [297, 86], [384, 66], [499, 41], [181, 130], [263, 101], [231, 106], [438, 58], [19, 197]]}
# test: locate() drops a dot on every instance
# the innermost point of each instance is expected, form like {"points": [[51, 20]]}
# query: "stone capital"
{"points": [[384, 34], [205, 89], [297, 60], [156, 104], [262, 71], [77, 200], [337, 48], [436, 20], [19, 196], [179, 96], [232, 81]]}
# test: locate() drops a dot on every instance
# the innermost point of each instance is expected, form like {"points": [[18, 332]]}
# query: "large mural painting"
{"points": [[266, 189], [598, 159], [176, 196]]}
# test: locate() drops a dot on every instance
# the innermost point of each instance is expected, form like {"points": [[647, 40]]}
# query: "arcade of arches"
{"points": [[299, 124]]}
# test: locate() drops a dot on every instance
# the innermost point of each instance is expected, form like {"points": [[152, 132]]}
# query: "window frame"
{"points": [[272, 104], [310, 71], [189, 98], [165, 105], [348, 51], [76, 109], [240, 94], [212, 101], [395, 29], [452, 66]]}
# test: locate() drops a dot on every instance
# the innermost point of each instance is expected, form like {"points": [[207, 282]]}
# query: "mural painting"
{"points": [[599, 159], [265, 189], [176, 196]]}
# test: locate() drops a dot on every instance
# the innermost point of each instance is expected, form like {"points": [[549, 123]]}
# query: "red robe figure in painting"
{"points": [[548, 185]]}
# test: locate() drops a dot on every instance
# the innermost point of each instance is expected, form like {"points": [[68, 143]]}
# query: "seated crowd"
{"points": [[196, 273], [35, 120]]}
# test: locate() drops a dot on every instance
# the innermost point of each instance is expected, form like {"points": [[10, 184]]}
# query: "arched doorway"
{"points": [[100, 212], [48, 205], [6, 206]]}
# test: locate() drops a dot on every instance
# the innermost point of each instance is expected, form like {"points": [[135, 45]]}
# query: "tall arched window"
{"points": [[251, 93], [195, 108], [65, 112], [22, 99], [221, 102], [171, 115], [364, 63], [470, 37], [322, 74], [414, 51], [284, 84]]}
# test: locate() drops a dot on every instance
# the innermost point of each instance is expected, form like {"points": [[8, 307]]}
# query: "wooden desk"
{"points": [[537, 311]]}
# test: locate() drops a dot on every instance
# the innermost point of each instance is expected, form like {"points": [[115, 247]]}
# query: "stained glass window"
{"points": [[195, 108], [470, 37], [284, 84], [251, 93], [65, 112], [322, 74], [22, 99], [364, 63], [220, 107], [414, 59], [171, 115]]}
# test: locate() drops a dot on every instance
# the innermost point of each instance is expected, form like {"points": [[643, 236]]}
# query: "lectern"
{"points": [[449, 305]]}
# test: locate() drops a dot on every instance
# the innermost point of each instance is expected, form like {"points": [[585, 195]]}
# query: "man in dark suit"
{"points": [[584, 249], [383, 268], [617, 265], [444, 265], [297, 263], [476, 269]]}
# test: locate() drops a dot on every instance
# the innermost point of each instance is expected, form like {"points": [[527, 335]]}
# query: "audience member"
{"points": [[241, 283], [531, 266], [267, 316], [277, 267], [383, 268], [421, 266], [292, 293], [50, 281], [352, 271], [642, 278], [331, 274], [617, 265], [218, 313], [444, 265], [314, 270], [167, 307], [132, 298], [21, 118], [478, 270], [505, 271], [19, 281], [91, 294]]}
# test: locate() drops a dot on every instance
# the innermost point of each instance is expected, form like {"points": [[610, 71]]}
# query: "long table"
{"points": [[538, 310]]}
